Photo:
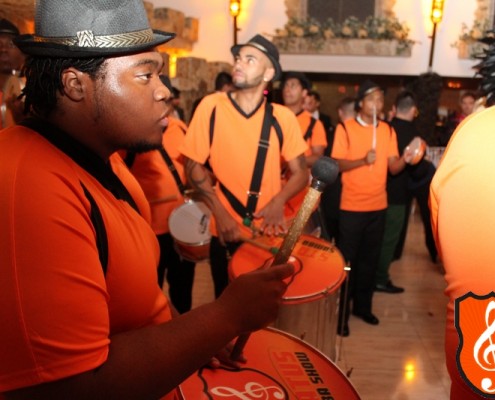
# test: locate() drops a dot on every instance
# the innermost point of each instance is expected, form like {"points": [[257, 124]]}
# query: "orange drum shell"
{"points": [[279, 366]]}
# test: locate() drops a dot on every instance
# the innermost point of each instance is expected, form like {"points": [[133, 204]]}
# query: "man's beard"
{"points": [[143, 147]]}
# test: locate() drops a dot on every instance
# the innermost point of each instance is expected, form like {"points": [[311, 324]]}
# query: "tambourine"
{"points": [[418, 147]]}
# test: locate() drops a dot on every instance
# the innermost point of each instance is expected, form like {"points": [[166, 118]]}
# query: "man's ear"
{"points": [[269, 74], [73, 83]]}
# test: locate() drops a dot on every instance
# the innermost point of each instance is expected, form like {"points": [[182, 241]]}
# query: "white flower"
{"points": [[346, 31], [328, 34], [299, 32], [314, 29]]}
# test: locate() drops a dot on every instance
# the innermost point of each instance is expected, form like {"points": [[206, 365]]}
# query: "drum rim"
{"points": [[196, 244]]}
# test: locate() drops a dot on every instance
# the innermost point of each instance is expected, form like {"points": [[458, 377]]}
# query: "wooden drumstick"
{"points": [[254, 242], [325, 170]]}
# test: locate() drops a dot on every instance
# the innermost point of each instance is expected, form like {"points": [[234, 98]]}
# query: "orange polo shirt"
{"points": [[58, 309], [462, 197], [235, 145], [364, 188]]}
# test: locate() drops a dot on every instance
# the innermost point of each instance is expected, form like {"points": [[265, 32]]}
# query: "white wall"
{"points": [[264, 16]]}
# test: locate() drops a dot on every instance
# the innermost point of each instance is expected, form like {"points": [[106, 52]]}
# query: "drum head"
{"points": [[279, 366], [190, 223], [418, 147], [319, 266]]}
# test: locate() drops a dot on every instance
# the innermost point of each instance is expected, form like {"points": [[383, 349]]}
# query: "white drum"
{"points": [[189, 226]]}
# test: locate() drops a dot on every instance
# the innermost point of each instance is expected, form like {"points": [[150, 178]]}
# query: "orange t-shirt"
{"points": [[235, 145], [462, 196], [158, 183], [364, 188], [58, 309]]}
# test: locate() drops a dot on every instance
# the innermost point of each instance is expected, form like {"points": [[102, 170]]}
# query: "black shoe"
{"points": [[388, 288], [369, 318], [343, 331]]}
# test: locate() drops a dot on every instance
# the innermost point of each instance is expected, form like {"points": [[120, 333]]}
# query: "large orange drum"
{"points": [[279, 366], [309, 308]]}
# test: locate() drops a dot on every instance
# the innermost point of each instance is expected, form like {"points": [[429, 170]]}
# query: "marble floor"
{"points": [[402, 358]]}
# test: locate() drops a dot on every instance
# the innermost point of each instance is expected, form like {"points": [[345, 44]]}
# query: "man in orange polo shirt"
{"points": [[366, 149], [227, 131], [81, 313], [295, 88]]}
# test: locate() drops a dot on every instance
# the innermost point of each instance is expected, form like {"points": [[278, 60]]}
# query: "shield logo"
{"points": [[475, 324]]}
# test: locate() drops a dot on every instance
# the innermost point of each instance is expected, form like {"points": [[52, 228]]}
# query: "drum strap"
{"points": [[309, 131], [173, 170], [253, 193]]}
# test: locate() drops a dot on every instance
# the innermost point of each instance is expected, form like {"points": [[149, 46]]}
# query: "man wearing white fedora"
{"points": [[81, 313]]}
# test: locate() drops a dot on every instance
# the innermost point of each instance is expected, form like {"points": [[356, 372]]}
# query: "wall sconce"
{"points": [[235, 9], [437, 11], [436, 16]]}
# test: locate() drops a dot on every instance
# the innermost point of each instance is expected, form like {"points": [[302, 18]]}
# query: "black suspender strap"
{"points": [[173, 170], [253, 193], [101, 232], [309, 131], [95, 166]]}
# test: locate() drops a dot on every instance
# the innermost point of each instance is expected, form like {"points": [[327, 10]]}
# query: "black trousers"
{"points": [[360, 238], [219, 263], [180, 274]]}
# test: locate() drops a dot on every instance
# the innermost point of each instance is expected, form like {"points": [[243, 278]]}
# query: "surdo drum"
{"points": [[279, 367], [309, 307], [189, 226]]}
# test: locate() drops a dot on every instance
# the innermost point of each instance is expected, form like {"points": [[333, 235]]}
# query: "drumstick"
{"points": [[373, 140], [325, 170], [272, 250]]}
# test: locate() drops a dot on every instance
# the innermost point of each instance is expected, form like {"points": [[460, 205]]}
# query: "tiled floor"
{"points": [[403, 357]]}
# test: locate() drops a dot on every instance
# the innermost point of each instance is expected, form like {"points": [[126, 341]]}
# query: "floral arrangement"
{"points": [[379, 28], [470, 37]]}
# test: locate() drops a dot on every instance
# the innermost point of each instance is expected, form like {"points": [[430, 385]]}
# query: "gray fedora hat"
{"points": [[267, 47], [90, 28]]}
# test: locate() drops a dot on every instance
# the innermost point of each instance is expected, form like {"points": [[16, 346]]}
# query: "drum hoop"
{"points": [[197, 244], [315, 296]]}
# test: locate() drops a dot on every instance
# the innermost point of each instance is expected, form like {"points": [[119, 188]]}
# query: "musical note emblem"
{"points": [[252, 390], [475, 324], [484, 348], [240, 384]]}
